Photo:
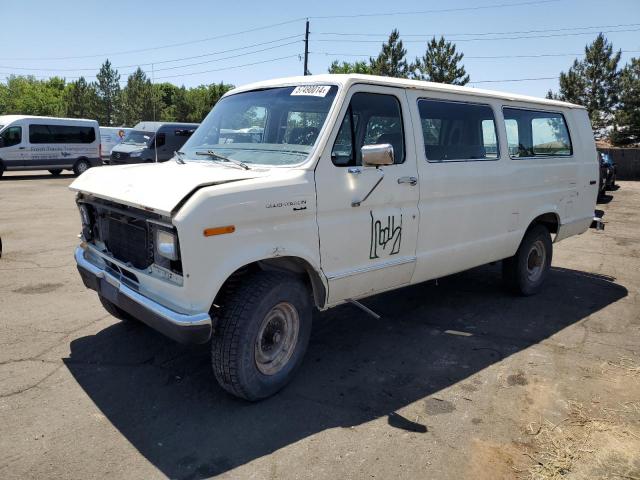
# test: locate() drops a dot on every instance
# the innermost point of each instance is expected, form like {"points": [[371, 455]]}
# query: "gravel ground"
{"points": [[457, 380]]}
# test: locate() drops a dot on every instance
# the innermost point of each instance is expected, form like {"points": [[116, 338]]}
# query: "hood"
{"points": [[128, 148], [157, 186]]}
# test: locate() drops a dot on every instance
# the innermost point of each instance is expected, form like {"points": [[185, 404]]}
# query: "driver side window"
{"points": [[371, 119], [12, 136]]}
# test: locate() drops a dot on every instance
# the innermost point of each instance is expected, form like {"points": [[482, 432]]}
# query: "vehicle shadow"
{"points": [[604, 199], [163, 398]]}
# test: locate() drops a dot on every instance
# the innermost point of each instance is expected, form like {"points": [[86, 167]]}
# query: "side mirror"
{"points": [[1, 142], [376, 155]]}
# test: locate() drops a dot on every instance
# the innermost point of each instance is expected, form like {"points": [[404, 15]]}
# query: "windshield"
{"points": [[275, 126], [138, 137]]}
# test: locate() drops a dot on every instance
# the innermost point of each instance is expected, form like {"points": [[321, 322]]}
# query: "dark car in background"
{"points": [[151, 142], [610, 178], [604, 173]]}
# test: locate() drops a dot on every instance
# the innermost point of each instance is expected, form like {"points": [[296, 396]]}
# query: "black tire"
{"points": [[115, 310], [245, 313], [81, 166], [525, 272], [55, 172]]}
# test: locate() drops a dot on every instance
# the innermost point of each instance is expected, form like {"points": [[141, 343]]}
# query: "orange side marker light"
{"points": [[210, 232]]}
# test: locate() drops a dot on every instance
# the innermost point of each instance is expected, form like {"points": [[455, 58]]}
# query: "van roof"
{"points": [[346, 80], [154, 126], [5, 119]]}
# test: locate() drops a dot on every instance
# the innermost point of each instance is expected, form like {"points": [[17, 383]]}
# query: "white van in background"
{"points": [[47, 143], [110, 137]]}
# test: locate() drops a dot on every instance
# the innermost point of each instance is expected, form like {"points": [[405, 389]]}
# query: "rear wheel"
{"points": [[261, 335], [525, 272], [81, 166], [115, 310], [55, 172]]}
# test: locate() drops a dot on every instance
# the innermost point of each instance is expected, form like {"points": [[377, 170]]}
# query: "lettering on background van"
{"points": [[309, 192]]}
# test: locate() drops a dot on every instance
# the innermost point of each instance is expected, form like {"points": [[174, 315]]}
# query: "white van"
{"points": [[345, 187], [110, 137], [47, 143]]}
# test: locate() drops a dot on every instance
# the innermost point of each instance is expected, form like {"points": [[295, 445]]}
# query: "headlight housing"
{"points": [[85, 219], [135, 154], [167, 244]]}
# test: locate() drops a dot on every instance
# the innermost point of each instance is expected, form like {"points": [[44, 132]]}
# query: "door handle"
{"points": [[21, 148], [354, 170], [410, 180]]}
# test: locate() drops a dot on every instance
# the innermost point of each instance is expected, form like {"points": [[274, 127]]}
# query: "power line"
{"points": [[368, 34], [229, 68], [191, 42], [226, 58], [479, 57], [160, 62], [480, 39], [515, 80], [439, 10]]}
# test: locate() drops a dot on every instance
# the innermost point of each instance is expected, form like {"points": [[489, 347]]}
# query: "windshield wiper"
{"points": [[179, 158], [217, 156]]}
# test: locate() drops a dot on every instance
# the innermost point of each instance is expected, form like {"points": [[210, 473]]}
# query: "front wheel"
{"points": [[81, 166], [261, 335], [525, 272]]}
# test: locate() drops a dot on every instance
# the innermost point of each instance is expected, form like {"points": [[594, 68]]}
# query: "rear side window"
{"points": [[41, 133], [455, 131], [371, 119], [531, 133]]}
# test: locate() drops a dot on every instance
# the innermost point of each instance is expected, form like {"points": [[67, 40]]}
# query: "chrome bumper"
{"points": [[181, 327]]}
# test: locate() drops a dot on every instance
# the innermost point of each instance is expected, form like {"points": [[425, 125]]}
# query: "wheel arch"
{"points": [[550, 219], [291, 264]]}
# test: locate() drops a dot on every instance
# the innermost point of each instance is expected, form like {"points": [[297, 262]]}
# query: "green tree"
{"points": [[80, 99], [28, 96], [108, 94], [627, 117], [594, 82], [440, 63], [135, 104], [391, 61], [346, 67]]}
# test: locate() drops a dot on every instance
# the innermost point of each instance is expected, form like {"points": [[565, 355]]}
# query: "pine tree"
{"points": [[133, 101], [80, 99], [391, 62], [441, 64], [108, 93], [594, 82], [627, 116], [346, 67]]}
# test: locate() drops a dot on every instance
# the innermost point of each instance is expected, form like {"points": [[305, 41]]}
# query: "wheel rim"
{"points": [[82, 167], [536, 261], [277, 338]]}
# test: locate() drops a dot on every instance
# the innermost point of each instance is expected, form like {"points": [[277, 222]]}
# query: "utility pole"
{"points": [[306, 48]]}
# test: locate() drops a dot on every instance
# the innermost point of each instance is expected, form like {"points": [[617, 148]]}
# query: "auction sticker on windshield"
{"points": [[311, 90]]}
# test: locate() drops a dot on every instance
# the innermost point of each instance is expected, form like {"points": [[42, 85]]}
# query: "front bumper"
{"points": [[184, 328]]}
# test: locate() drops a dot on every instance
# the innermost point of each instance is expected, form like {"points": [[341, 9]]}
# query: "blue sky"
{"points": [[36, 34]]}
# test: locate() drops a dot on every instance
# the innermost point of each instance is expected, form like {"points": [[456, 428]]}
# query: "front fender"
{"points": [[270, 219]]}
